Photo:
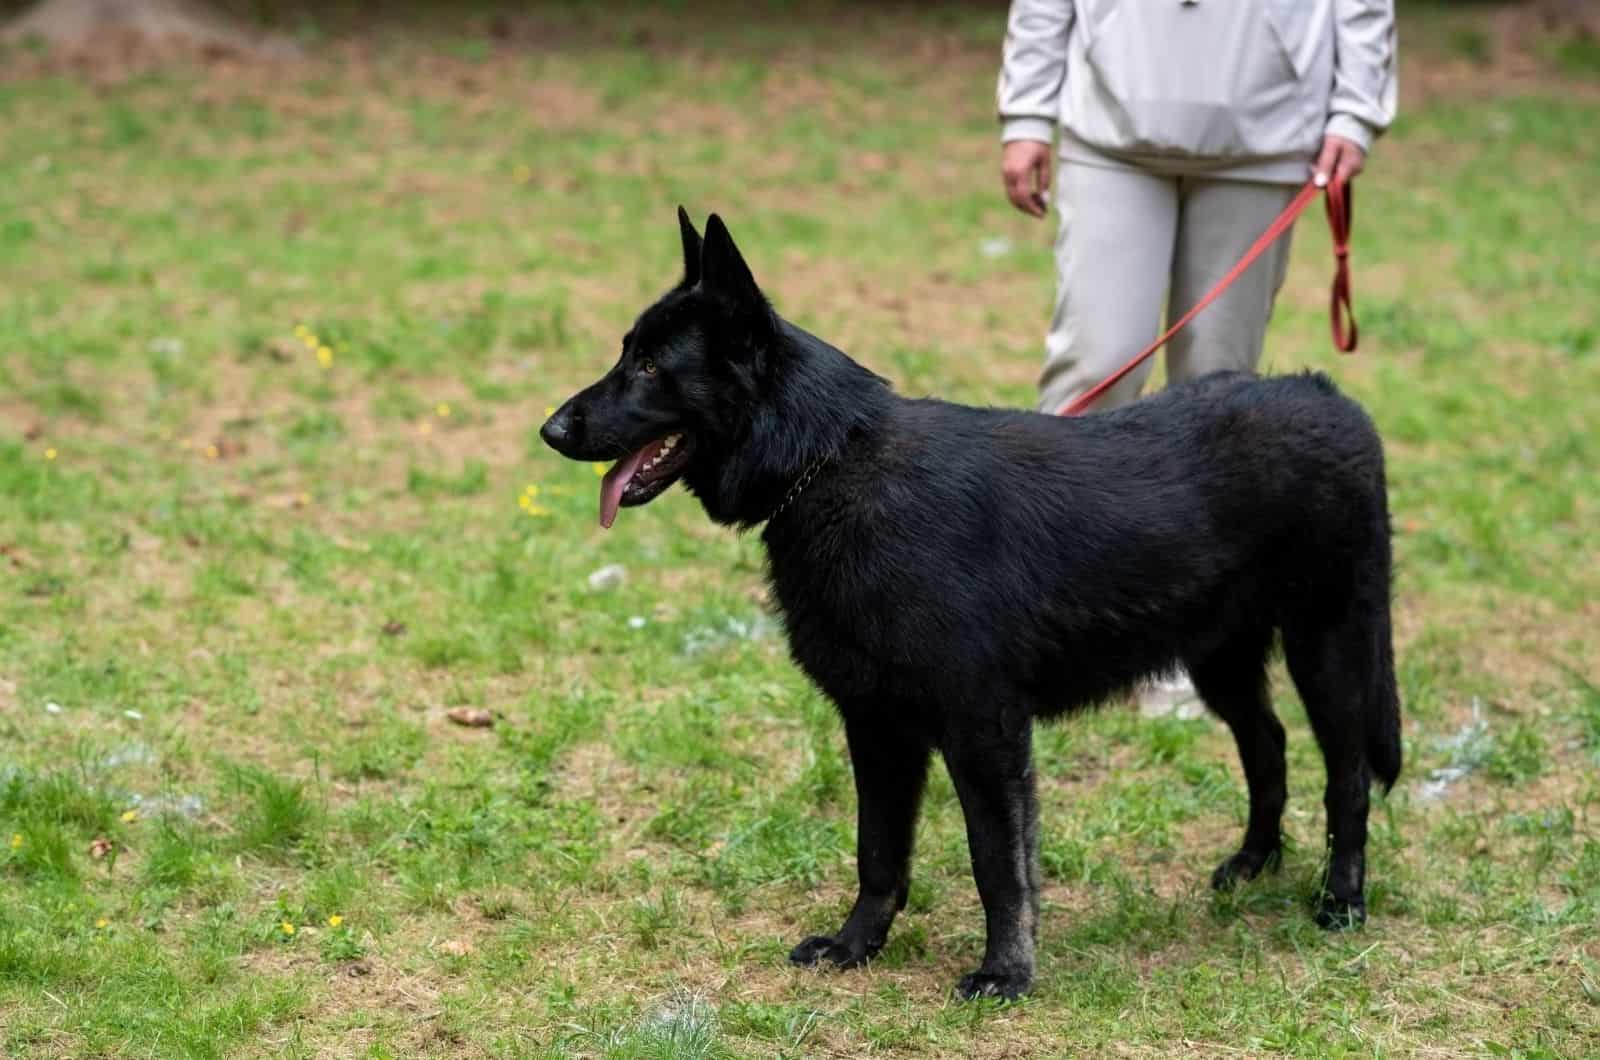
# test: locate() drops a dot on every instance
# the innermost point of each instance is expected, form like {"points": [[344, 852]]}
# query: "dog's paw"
{"points": [[1006, 985], [837, 952], [1245, 865], [1341, 914]]}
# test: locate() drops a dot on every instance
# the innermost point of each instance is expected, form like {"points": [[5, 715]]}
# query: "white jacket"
{"points": [[1181, 84]]}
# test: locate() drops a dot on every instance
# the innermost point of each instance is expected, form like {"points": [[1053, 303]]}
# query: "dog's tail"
{"points": [[1383, 708]]}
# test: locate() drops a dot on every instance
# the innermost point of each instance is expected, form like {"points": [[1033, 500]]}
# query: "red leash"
{"points": [[1341, 312]]}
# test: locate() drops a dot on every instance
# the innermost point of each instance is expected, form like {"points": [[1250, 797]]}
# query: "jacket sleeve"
{"points": [[1033, 69], [1365, 84]]}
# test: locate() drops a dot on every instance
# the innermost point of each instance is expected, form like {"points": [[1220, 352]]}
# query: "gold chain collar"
{"points": [[800, 484]]}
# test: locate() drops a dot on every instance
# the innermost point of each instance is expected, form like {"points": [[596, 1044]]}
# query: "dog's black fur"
{"points": [[947, 575]]}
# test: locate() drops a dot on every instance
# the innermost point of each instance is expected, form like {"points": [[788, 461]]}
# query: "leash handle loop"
{"points": [[1341, 310], [1341, 203]]}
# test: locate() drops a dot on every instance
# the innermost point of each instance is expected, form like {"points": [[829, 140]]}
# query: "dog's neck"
{"points": [[798, 488], [811, 404]]}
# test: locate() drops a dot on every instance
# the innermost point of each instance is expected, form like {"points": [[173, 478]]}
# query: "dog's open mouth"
{"points": [[639, 477]]}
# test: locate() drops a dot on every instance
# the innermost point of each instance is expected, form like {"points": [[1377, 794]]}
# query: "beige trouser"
{"points": [[1130, 241]]}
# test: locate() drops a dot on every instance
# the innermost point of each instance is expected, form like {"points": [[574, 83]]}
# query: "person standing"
{"points": [[1185, 127]]}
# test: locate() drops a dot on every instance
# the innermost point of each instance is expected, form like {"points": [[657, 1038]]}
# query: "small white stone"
{"points": [[996, 247], [636, 622], [133, 714], [608, 577], [52, 708]]}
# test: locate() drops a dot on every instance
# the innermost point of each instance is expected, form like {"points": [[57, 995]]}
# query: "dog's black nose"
{"points": [[557, 429]]}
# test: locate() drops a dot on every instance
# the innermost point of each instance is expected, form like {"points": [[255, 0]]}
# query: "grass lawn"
{"points": [[274, 346]]}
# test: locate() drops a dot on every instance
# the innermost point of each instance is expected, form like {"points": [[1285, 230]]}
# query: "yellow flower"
{"points": [[311, 341], [524, 503], [50, 454], [301, 331], [537, 509], [531, 491], [549, 410], [324, 356], [16, 841], [425, 427], [128, 816], [211, 452], [287, 928], [335, 920], [599, 469], [443, 410], [102, 923], [304, 499]]}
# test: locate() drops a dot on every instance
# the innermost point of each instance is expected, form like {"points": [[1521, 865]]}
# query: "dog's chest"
{"points": [[836, 638]]}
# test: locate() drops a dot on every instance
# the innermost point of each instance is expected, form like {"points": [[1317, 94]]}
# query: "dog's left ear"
{"points": [[691, 249], [722, 267]]}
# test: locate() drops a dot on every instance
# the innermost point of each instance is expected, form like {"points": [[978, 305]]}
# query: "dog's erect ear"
{"points": [[722, 268], [691, 249]]}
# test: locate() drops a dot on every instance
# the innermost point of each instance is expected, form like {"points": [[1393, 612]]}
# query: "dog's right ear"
{"points": [[722, 267], [691, 249]]}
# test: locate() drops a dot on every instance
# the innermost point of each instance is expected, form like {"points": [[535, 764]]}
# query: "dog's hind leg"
{"points": [[890, 768], [993, 776], [1332, 666], [1233, 683]]}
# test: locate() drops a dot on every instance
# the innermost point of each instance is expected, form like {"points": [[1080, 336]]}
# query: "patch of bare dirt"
{"points": [[596, 774], [388, 987], [95, 31]]}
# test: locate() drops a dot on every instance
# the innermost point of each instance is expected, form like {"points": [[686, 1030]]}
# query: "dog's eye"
{"points": [[648, 367]]}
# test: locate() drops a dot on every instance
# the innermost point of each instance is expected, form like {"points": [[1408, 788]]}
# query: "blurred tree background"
{"points": [[255, 26]]}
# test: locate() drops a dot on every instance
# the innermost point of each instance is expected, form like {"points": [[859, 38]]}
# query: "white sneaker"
{"points": [[1172, 696]]}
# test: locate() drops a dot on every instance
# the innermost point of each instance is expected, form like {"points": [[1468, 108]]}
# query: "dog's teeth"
{"points": [[672, 440]]}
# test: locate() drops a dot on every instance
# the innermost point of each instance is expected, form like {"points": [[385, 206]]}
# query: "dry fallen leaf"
{"points": [[393, 629], [100, 847], [455, 947], [471, 717]]}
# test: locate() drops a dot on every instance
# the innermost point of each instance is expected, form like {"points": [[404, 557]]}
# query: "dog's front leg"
{"points": [[890, 767], [993, 775]]}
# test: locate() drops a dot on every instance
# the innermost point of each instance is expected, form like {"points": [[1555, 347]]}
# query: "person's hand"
{"points": [[1340, 161], [1025, 167]]}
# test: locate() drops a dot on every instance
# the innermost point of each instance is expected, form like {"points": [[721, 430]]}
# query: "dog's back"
{"points": [[1138, 539]]}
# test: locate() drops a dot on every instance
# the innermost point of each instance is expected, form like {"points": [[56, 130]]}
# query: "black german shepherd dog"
{"points": [[948, 575]]}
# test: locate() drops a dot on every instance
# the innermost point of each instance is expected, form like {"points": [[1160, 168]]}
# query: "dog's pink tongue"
{"points": [[615, 482]]}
